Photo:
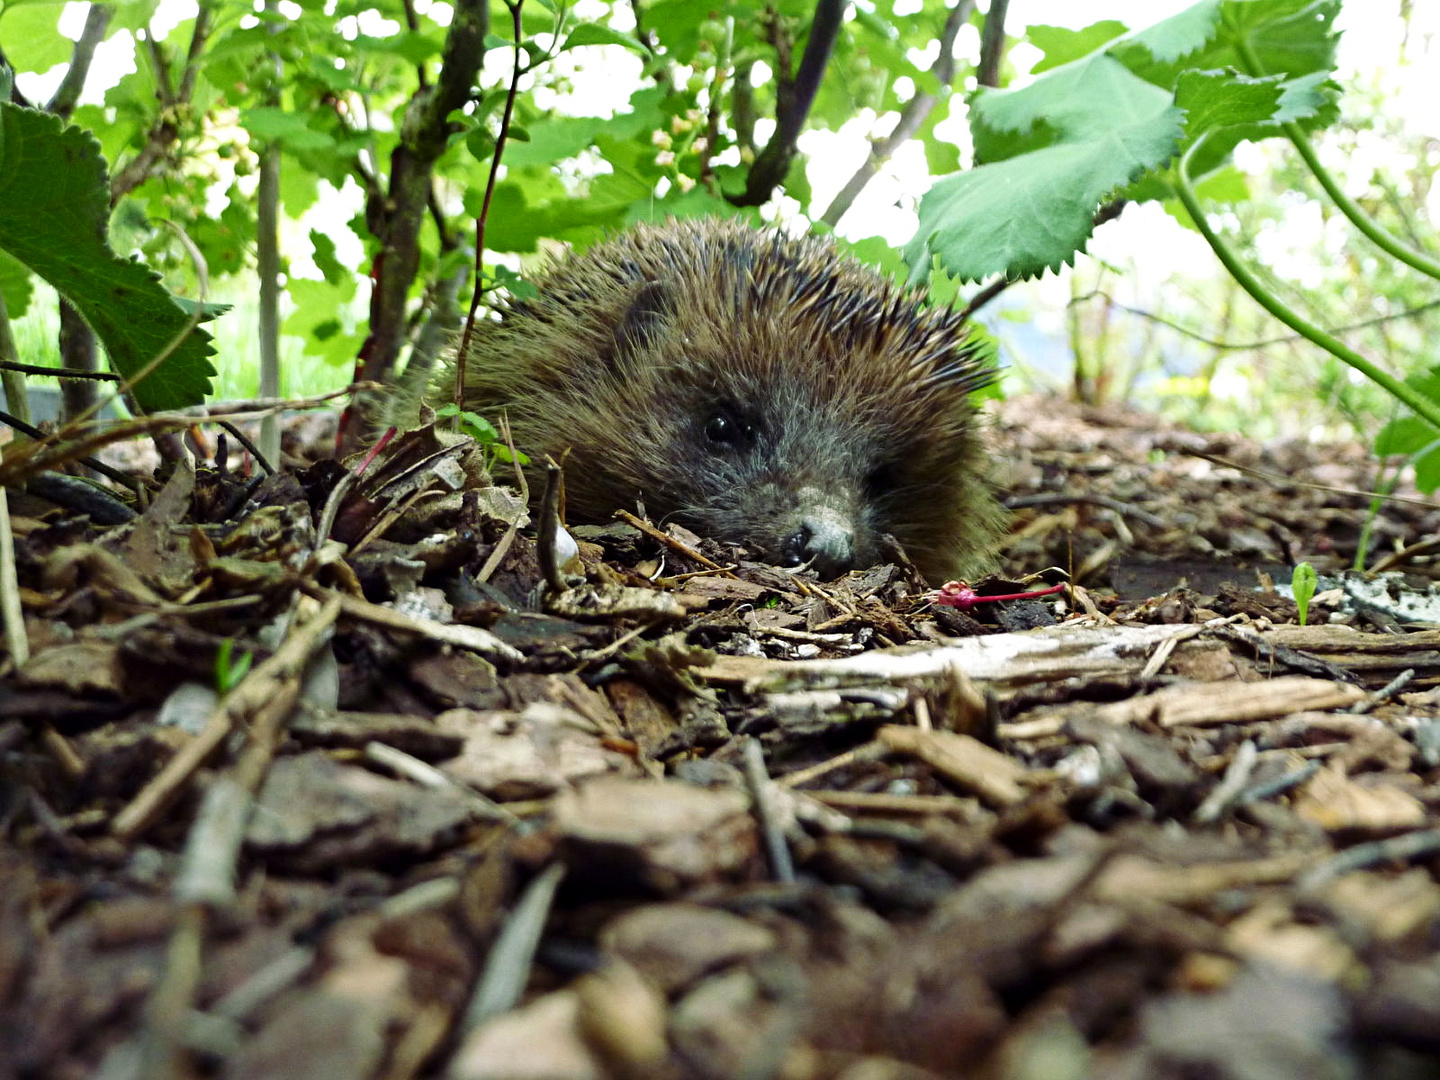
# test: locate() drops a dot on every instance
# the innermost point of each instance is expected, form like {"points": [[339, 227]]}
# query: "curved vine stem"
{"points": [[1423, 406], [1382, 238]]}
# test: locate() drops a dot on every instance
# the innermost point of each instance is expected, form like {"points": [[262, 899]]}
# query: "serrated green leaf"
{"points": [[1062, 45], [1307, 100], [1082, 133], [1289, 37], [208, 311], [1180, 36], [1215, 99], [970, 220], [54, 206], [1092, 98]]}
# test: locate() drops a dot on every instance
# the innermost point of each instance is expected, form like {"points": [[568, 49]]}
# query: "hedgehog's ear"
{"points": [[650, 305]]}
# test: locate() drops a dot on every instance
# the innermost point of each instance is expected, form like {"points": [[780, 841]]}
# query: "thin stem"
{"points": [[17, 393], [267, 256], [1423, 406], [1381, 237], [462, 355]]}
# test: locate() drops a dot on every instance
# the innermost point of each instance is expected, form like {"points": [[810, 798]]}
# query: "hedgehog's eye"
{"points": [[719, 429], [724, 430]]}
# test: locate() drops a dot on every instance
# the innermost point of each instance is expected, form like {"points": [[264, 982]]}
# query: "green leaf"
{"points": [[289, 129], [1064, 102], [1021, 215], [1290, 37], [1151, 51], [1427, 470], [1307, 100], [1405, 436], [481, 144], [414, 47], [315, 322], [54, 206], [208, 311], [1226, 185], [596, 34], [299, 190], [224, 239], [1061, 45], [1213, 99], [16, 286], [323, 252], [1427, 382], [513, 224], [1106, 124], [558, 138], [473, 424], [797, 182], [513, 283], [133, 14], [31, 37], [676, 25]]}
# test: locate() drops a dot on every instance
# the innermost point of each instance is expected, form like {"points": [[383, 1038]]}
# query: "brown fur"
{"points": [[756, 388]]}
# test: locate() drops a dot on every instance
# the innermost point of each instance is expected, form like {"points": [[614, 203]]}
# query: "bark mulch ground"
{"points": [[313, 775]]}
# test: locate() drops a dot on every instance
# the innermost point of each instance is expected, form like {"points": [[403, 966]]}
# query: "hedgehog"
{"points": [[758, 388]]}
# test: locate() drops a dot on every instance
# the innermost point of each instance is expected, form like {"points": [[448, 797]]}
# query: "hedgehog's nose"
{"points": [[825, 540]]}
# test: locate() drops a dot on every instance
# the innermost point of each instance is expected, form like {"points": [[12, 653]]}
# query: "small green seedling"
{"points": [[228, 669], [1302, 584]]}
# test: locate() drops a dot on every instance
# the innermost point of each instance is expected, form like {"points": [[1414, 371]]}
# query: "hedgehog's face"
{"points": [[784, 476]]}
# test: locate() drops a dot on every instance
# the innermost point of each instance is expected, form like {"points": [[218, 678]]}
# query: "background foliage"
{"points": [[381, 120]]}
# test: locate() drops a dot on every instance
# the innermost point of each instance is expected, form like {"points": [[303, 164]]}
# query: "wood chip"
{"points": [[965, 761]]}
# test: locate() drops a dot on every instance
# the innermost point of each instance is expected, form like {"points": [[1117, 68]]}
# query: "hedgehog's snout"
{"points": [[824, 538]]}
